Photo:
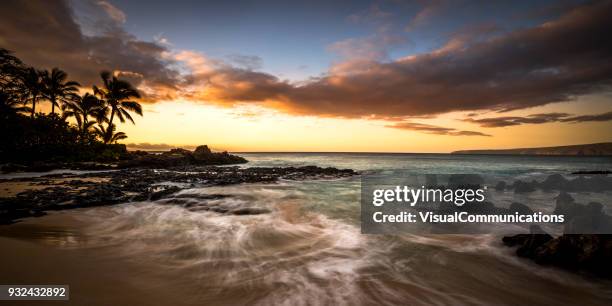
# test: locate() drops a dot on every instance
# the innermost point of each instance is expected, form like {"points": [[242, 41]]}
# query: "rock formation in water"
{"points": [[68, 191], [573, 250], [181, 157]]}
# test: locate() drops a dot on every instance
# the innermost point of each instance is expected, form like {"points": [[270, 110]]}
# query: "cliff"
{"points": [[593, 149]]}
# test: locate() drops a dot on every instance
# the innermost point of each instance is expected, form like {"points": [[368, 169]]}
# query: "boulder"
{"points": [[523, 187], [591, 253], [520, 208], [528, 244], [501, 186], [554, 181]]}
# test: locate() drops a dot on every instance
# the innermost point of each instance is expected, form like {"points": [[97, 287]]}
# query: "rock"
{"points": [[180, 158], [203, 155], [431, 180], [520, 208], [604, 172], [154, 196], [591, 253], [250, 211], [528, 243], [523, 187], [121, 186], [554, 181], [202, 151], [177, 152], [501, 186]]}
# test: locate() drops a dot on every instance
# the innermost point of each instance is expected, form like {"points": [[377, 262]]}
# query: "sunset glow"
{"points": [[385, 77]]}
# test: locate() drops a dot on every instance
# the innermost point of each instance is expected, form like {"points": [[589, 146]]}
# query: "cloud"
{"points": [[373, 47], [510, 121], [373, 14], [538, 119], [552, 62], [249, 62], [585, 118], [46, 34], [433, 129], [113, 12], [429, 9]]}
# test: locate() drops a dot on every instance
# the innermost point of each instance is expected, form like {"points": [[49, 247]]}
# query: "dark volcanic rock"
{"points": [[572, 250], [520, 208], [528, 244], [523, 187], [555, 181], [501, 186], [250, 211], [604, 172], [181, 157], [121, 186], [578, 252]]}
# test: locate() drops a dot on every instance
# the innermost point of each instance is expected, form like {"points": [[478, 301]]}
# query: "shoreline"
{"points": [[69, 191]]}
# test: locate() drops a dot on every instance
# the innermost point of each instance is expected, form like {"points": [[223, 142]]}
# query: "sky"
{"points": [[349, 76]]}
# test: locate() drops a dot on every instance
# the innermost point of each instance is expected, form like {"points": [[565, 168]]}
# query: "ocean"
{"points": [[309, 250]]}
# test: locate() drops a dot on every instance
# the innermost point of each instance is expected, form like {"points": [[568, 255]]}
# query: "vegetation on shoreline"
{"points": [[84, 126]]}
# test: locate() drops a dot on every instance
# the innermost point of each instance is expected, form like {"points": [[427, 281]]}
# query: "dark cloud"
{"points": [[514, 120], [485, 70], [553, 62], [585, 118], [538, 119], [433, 129], [46, 34]]}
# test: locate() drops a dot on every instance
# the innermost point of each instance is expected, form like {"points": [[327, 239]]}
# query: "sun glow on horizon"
{"points": [[252, 128]]}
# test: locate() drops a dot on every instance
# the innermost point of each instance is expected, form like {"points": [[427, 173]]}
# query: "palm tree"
{"points": [[10, 68], [108, 135], [84, 107], [117, 94], [10, 106], [33, 86], [57, 89]]}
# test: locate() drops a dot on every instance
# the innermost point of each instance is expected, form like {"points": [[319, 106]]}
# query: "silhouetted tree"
{"points": [[33, 87], [10, 82], [108, 135], [117, 94], [9, 107], [84, 107], [57, 89]]}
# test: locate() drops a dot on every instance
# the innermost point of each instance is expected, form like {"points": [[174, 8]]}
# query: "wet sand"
{"points": [[38, 252], [308, 264]]}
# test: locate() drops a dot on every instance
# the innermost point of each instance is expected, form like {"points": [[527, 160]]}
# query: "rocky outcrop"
{"points": [[202, 155], [574, 249], [587, 252], [582, 183], [113, 187], [528, 244]]}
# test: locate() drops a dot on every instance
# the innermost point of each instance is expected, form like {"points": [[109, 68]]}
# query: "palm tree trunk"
{"points": [[33, 106], [83, 129], [53, 106], [110, 122]]}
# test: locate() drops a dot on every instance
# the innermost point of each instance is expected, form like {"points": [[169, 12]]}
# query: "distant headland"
{"points": [[593, 149]]}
